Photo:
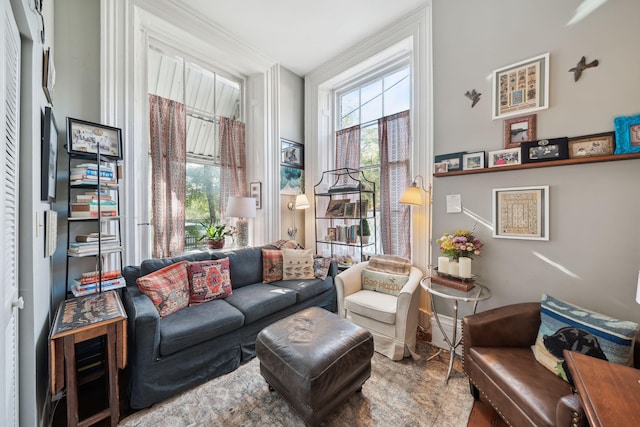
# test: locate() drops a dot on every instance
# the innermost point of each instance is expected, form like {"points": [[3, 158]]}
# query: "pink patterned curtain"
{"points": [[395, 219], [233, 161], [348, 149], [168, 171]]}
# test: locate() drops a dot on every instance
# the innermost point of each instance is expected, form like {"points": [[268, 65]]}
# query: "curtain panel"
{"points": [[233, 161], [394, 141], [348, 149], [168, 174]]}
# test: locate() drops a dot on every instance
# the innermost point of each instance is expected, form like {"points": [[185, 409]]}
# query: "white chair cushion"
{"points": [[375, 305]]}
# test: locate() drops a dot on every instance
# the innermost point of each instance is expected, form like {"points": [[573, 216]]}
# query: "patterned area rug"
{"points": [[406, 393]]}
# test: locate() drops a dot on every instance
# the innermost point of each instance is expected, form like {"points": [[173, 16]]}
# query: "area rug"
{"points": [[405, 393]]}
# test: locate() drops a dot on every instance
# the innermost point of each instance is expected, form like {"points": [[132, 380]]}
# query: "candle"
{"points": [[443, 264], [465, 266], [454, 268]]}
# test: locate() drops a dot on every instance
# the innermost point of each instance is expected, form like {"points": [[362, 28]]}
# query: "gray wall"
{"points": [[593, 255]]}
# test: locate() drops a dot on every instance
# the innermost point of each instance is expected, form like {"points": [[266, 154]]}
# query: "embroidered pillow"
{"points": [[383, 282], [297, 264], [168, 288], [208, 280], [271, 265], [391, 264], [321, 267], [567, 326]]}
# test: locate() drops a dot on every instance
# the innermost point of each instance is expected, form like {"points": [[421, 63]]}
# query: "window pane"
{"points": [[202, 137], [397, 96], [369, 153], [202, 201], [371, 98], [165, 76], [349, 109], [199, 89], [227, 98]]}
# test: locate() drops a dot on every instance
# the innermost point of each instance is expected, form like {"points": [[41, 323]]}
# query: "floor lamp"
{"points": [[301, 202], [242, 208]]}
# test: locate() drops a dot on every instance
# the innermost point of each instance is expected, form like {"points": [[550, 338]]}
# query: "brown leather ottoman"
{"points": [[315, 360]]}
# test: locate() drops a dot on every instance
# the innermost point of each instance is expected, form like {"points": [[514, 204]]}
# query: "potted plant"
{"points": [[215, 234], [365, 232]]}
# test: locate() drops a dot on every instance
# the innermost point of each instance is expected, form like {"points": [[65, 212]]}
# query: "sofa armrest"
{"points": [[143, 327], [514, 325], [348, 282], [569, 412]]}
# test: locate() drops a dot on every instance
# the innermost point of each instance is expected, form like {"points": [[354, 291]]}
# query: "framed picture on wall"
{"points": [[49, 145], [507, 157], [89, 138], [602, 144], [519, 130], [453, 160], [545, 150], [291, 154], [291, 180], [627, 134], [472, 161], [255, 191], [521, 213]]}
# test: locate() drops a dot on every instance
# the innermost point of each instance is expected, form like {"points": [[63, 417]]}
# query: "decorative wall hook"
{"points": [[473, 96], [581, 66]]}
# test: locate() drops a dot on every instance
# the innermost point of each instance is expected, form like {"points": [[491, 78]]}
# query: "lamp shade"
{"points": [[241, 207], [302, 202], [411, 196]]}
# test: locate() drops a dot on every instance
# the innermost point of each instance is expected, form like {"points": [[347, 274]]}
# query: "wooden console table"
{"points": [[610, 393], [77, 320]]}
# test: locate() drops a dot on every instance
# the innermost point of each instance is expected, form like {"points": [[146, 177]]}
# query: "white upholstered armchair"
{"points": [[392, 320]]}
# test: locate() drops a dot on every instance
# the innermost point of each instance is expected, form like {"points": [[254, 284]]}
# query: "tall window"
{"points": [[207, 95]]}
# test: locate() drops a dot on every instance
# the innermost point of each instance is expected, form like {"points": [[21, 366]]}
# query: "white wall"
{"points": [[593, 250]]}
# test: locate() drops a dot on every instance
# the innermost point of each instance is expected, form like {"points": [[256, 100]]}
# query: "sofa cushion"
{"points": [[567, 326], [286, 244], [297, 264], [306, 289], [271, 265], [260, 300], [386, 283], [245, 265], [208, 280], [391, 264], [527, 384], [168, 288], [321, 267], [372, 304], [153, 264], [197, 324]]}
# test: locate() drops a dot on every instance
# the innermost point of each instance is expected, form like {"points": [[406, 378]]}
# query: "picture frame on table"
{"points": [[88, 138], [601, 144], [331, 234], [442, 167], [472, 161], [545, 150], [521, 213], [362, 209], [507, 157], [453, 160], [349, 210], [291, 154], [518, 130], [255, 191], [336, 208], [521, 88], [49, 145], [627, 134]]}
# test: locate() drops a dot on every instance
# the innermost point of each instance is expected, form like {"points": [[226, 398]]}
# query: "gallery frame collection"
{"points": [[88, 138], [521, 213]]}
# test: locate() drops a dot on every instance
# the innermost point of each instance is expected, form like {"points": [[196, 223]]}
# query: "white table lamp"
{"points": [[242, 208]]}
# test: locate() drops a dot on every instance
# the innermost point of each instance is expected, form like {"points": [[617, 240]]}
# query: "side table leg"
{"points": [[114, 403], [71, 380], [453, 344]]}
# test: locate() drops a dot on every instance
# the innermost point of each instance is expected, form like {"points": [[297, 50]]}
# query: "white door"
{"points": [[9, 134]]}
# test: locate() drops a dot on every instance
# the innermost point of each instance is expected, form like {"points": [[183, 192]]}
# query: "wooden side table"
{"points": [[77, 320]]}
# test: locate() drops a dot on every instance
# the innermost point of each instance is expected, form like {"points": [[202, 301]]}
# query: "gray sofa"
{"points": [[201, 342]]}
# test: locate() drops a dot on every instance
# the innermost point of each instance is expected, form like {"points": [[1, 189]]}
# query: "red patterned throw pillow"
{"points": [[271, 265], [208, 280], [168, 288]]}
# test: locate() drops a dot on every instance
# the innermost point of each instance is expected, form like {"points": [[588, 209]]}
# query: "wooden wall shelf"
{"points": [[595, 159]]}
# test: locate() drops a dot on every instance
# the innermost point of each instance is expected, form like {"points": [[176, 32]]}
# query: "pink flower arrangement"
{"points": [[461, 243]]}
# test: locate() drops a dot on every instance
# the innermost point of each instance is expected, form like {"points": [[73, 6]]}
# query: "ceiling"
{"points": [[301, 35]]}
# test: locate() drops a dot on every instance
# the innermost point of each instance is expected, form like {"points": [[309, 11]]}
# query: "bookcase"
{"points": [[94, 250], [344, 200]]}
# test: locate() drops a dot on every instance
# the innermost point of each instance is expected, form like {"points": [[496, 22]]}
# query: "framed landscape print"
{"points": [[519, 130], [601, 144], [521, 213], [89, 138], [521, 88], [472, 161]]}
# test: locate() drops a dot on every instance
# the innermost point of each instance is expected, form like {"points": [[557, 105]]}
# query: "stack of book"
{"points": [[87, 173], [91, 248], [86, 205], [347, 233], [89, 282]]}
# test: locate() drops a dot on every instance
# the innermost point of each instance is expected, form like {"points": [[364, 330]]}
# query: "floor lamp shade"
{"points": [[242, 208]]}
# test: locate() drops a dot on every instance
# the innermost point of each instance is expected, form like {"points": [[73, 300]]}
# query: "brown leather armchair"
{"points": [[499, 362]]}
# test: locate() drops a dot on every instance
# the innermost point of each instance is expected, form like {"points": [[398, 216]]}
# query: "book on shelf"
{"points": [[94, 276], [94, 237], [80, 289], [92, 197], [92, 214], [93, 248], [105, 205]]}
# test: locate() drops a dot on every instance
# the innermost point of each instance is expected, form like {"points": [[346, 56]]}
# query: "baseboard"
{"points": [[447, 324]]}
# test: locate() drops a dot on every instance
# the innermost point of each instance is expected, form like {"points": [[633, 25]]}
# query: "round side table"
{"points": [[476, 294]]}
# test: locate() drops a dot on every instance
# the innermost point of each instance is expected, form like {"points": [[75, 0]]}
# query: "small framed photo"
{"points": [[441, 167], [521, 88], [472, 161], [49, 156], [255, 191], [506, 157], [521, 213], [545, 150], [291, 154], [627, 134], [93, 138], [362, 209], [331, 233], [336, 208], [349, 210], [602, 144], [518, 130], [453, 160]]}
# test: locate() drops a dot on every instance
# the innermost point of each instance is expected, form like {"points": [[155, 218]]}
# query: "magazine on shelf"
{"points": [[95, 237]]}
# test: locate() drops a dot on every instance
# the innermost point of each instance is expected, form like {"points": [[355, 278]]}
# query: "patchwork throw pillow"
{"points": [[391, 264], [271, 265], [168, 288], [567, 326], [321, 267], [208, 280], [286, 244], [297, 264], [383, 282]]}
